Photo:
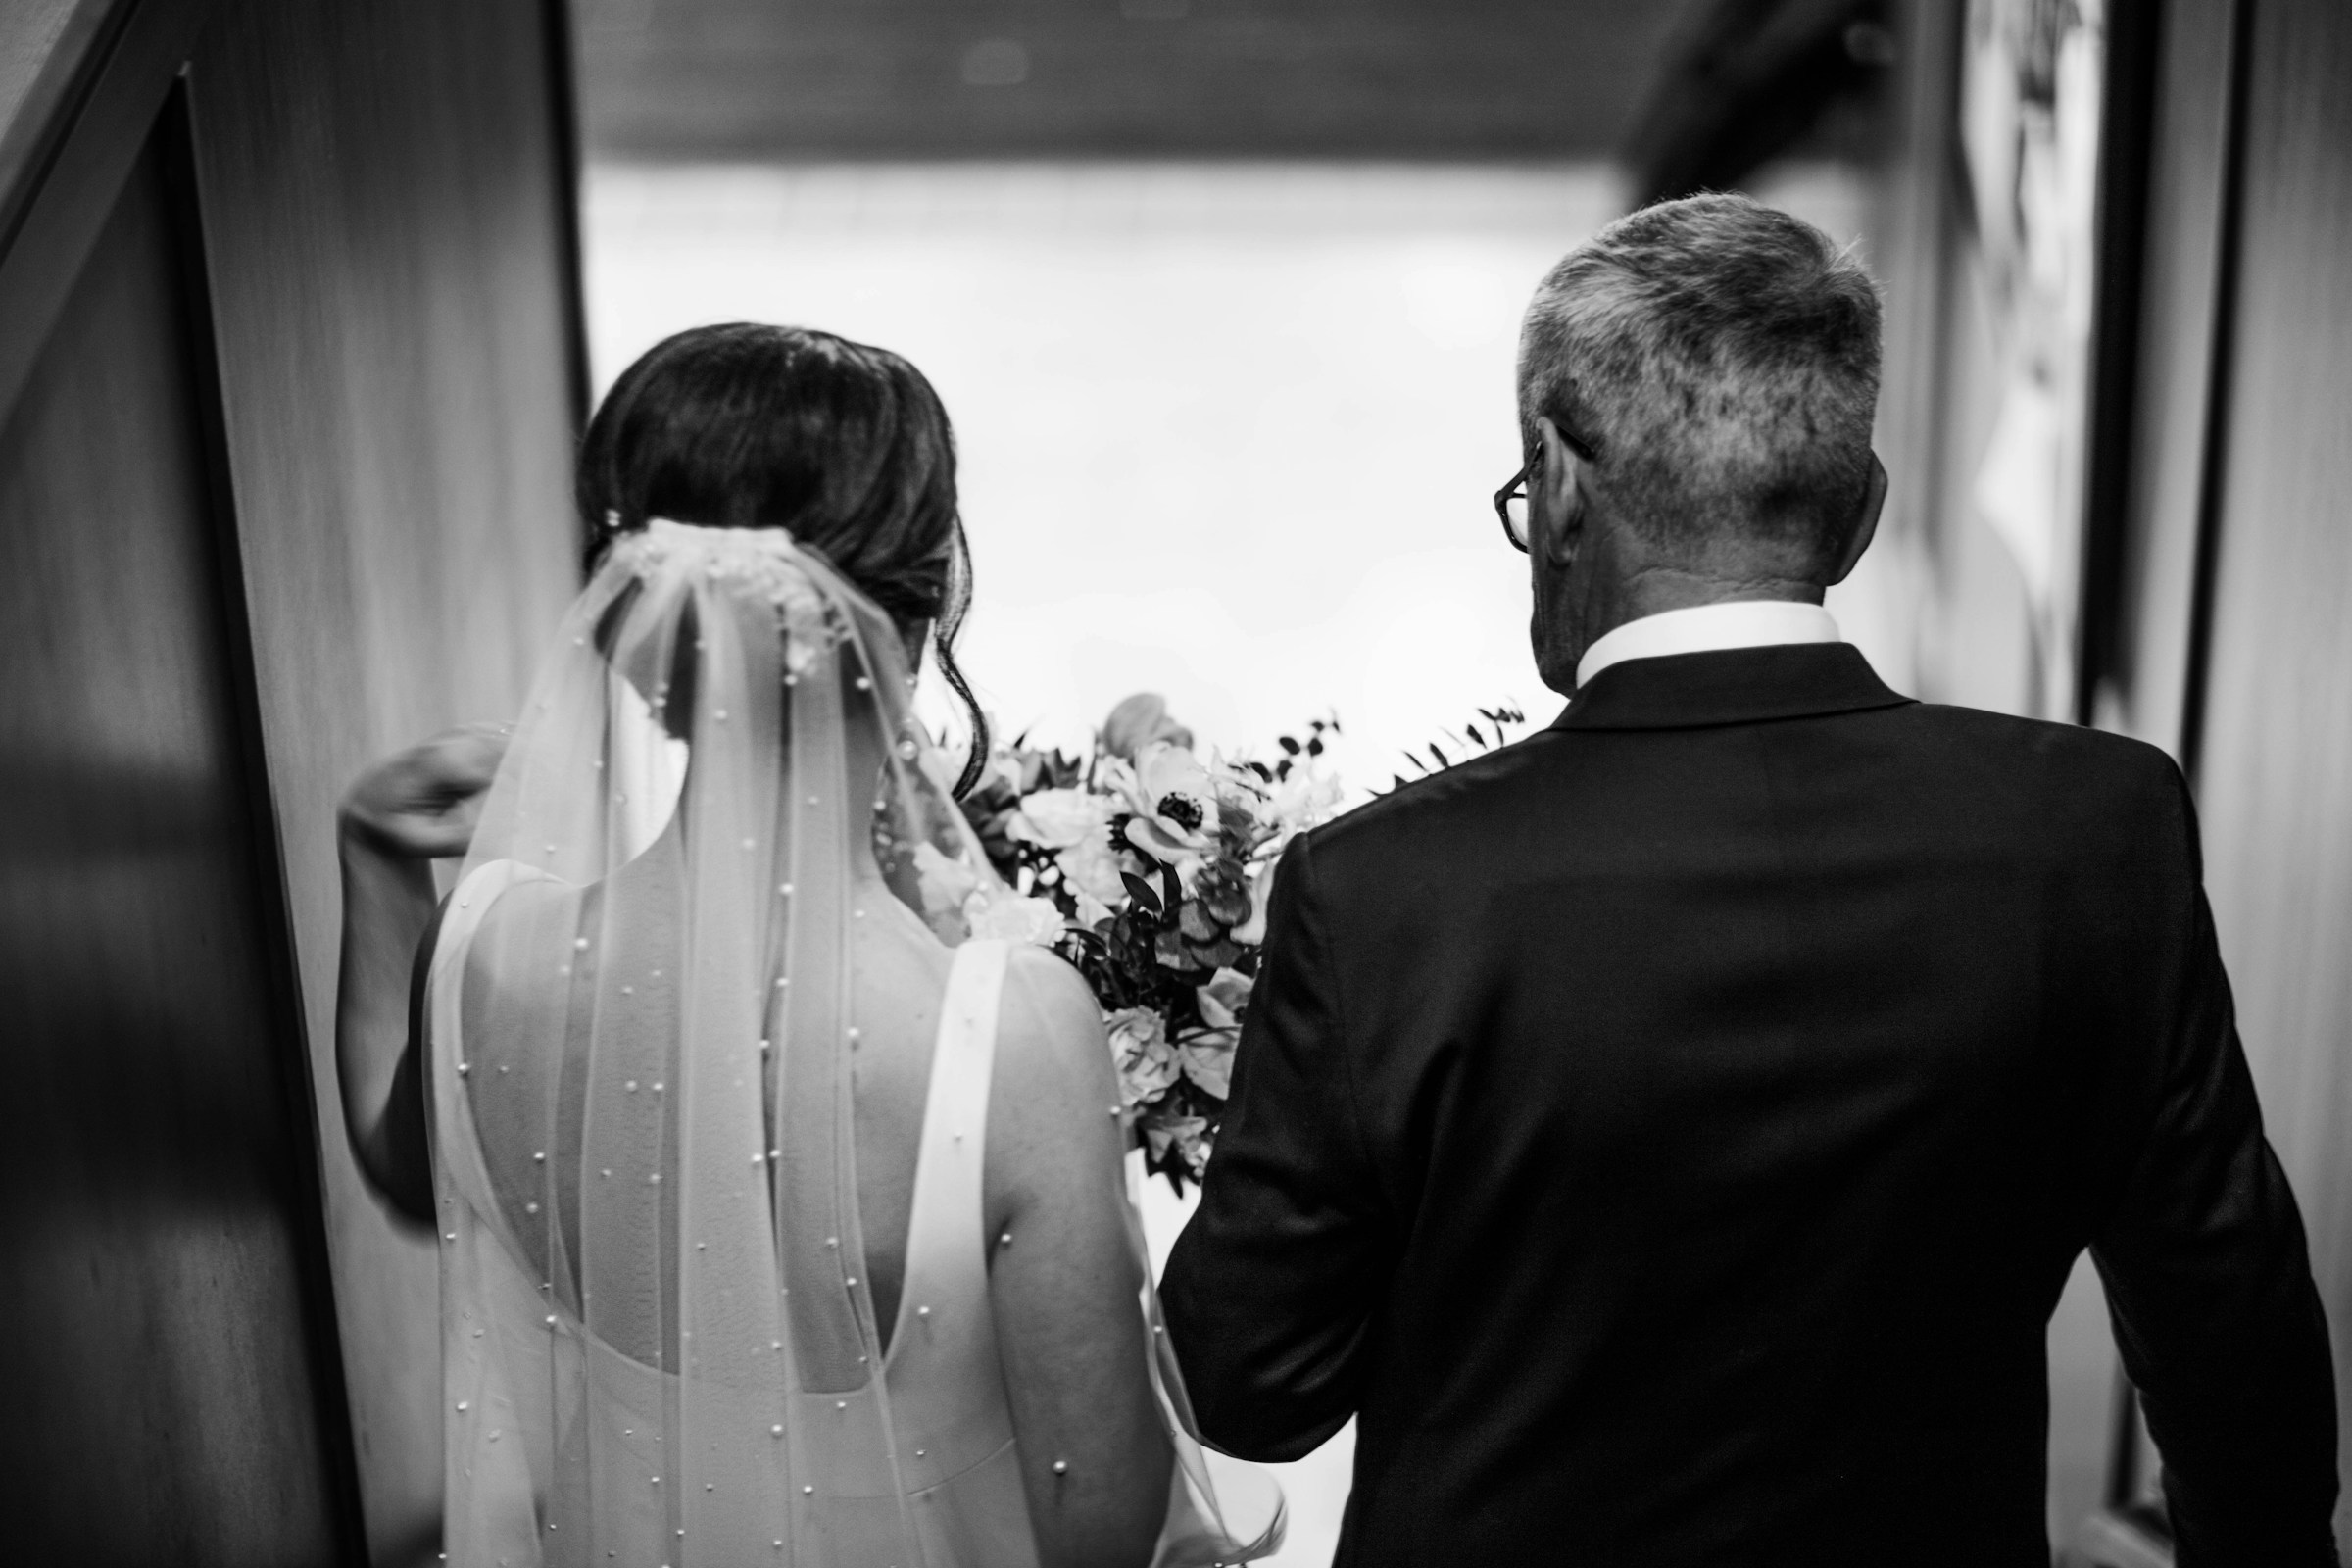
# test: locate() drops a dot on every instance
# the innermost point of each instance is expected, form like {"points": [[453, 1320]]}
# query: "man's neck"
{"points": [[1654, 590]]}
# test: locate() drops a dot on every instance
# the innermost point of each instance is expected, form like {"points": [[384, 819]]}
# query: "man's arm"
{"points": [[2215, 1311], [1272, 1288]]}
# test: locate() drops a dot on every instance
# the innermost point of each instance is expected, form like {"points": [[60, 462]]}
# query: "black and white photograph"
{"points": [[1175, 783]]}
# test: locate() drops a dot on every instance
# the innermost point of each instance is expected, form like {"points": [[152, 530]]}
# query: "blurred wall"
{"points": [[2271, 724], [366, 229]]}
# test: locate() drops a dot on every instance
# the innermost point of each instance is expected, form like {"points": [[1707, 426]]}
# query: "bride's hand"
{"points": [[422, 804]]}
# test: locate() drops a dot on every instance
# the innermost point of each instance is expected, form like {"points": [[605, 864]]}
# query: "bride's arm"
{"points": [[1064, 1282], [401, 816]]}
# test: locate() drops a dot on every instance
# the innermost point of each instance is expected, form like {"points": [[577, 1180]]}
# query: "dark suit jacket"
{"points": [[1669, 1137]]}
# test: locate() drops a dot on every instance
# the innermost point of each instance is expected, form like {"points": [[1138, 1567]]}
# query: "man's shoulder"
{"points": [[2047, 752], [2088, 796], [2064, 771]]}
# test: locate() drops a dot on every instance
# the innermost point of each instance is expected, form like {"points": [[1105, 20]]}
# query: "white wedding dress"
{"points": [[640, 1010]]}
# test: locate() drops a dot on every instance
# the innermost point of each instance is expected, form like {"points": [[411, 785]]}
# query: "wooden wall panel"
{"points": [[160, 1341], [47, 50], [387, 219], [2276, 784]]}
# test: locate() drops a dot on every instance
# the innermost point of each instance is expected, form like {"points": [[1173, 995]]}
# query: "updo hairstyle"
{"points": [[845, 446]]}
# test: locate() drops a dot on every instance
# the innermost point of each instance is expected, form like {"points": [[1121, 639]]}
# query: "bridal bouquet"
{"points": [[1147, 868]]}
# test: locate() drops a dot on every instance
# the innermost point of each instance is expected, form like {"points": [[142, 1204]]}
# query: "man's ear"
{"points": [[1556, 495], [1865, 525]]}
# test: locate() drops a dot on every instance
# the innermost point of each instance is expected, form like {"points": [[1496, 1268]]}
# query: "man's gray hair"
{"points": [[1721, 357]]}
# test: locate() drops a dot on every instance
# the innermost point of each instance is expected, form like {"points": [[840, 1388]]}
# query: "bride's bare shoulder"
{"points": [[1051, 1023], [1055, 1087]]}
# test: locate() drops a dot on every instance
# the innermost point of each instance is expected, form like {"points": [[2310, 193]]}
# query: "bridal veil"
{"points": [[640, 1022]]}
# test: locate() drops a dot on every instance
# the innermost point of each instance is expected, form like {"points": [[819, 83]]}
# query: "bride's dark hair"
{"points": [[847, 446]]}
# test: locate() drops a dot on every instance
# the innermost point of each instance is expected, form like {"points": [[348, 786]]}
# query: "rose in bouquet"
{"points": [[1157, 865]]}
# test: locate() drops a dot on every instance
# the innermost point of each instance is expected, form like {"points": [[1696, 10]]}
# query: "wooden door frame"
{"points": [[2214, 468], [2127, 114], [562, 58], [106, 107], [133, 96], [175, 131]]}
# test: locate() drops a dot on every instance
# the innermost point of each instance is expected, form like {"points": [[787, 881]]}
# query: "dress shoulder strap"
{"points": [[457, 1153], [946, 1214]]}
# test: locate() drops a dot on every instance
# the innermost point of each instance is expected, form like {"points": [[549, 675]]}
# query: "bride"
{"points": [[780, 1204]]}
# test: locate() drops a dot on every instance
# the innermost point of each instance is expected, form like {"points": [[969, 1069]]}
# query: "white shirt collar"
{"points": [[1741, 624]]}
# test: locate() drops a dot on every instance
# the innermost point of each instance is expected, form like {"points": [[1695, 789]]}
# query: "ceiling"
{"points": [[1420, 79]]}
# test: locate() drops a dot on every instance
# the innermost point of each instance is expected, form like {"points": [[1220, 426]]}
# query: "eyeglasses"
{"points": [[1510, 501], [1510, 505]]}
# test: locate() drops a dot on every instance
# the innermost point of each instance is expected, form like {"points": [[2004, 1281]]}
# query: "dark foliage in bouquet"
{"points": [[1501, 722]]}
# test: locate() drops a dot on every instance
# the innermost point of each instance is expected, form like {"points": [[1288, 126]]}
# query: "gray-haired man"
{"points": [[1670, 1135]]}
